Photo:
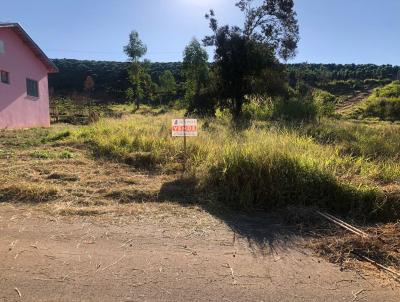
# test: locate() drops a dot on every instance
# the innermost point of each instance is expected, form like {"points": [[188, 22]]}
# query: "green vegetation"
{"points": [[167, 88], [197, 74], [266, 166], [137, 72], [376, 141], [44, 154], [268, 136], [325, 102], [389, 91], [383, 103], [112, 81], [246, 59]]}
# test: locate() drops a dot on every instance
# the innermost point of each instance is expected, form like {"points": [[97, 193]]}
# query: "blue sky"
{"points": [[336, 31]]}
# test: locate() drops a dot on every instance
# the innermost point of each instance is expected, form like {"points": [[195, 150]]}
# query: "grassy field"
{"points": [[132, 167], [348, 168]]}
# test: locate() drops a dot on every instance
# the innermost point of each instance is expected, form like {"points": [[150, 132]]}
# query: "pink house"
{"points": [[24, 94]]}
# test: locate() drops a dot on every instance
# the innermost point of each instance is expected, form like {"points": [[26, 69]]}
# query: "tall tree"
{"points": [[247, 59], [195, 67], [195, 70], [135, 50], [88, 86]]}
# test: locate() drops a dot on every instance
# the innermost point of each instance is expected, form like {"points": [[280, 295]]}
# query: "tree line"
{"points": [[247, 63], [111, 78]]}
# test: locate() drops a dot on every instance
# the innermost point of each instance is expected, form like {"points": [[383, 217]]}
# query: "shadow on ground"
{"points": [[265, 233]]}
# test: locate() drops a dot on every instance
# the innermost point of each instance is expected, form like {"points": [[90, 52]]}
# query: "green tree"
{"points": [[195, 67], [88, 86], [196, 73], [325, 102], [135, 50], [167, 86], [246, 59]]}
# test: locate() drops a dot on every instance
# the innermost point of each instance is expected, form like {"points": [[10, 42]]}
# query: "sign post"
{"points": [[184, 128]]}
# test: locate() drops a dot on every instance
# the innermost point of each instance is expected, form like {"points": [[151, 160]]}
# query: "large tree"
{"points": [[196, 74], [195, 67], [135, 50], [247, 59]]}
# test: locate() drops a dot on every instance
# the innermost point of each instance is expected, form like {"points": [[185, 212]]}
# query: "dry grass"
{"points": [[28, 193], [348, 250], [82, 185], [119, 183], [263, 167]]}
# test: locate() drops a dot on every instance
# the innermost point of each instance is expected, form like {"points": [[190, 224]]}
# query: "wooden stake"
{"points": [[379, 265], [344, 225]]}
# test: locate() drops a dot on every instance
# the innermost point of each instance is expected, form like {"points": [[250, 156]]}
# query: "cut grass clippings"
{"points": [[27, 193]]}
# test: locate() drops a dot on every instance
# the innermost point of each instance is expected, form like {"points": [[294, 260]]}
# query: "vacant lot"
{"points": [[90, 214]]}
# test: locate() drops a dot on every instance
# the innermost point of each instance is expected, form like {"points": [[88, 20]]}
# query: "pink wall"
{"points": [[17, 109]]}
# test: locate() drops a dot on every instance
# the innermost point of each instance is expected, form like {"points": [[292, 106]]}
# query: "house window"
{"points": [[32, 88], [2, 49], [5, 77]]}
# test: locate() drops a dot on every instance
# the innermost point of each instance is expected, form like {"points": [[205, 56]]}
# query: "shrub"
{"points": [[258, 109], [391, 90], [295, 110], [384, 103], [325, 102], [385, 109]]}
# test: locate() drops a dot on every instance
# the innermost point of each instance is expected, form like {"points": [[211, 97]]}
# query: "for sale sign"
{"points": [[184, 127]]}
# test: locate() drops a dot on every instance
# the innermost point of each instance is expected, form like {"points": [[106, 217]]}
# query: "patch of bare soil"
{"points": [[353, 100], [166, 258]]}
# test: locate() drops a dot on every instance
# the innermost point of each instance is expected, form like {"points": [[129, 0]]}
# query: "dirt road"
{"points": [[167, 258]]}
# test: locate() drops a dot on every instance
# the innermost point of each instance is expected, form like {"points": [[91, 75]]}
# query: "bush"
{"points": [[258, 109], [325, 102], [384, 103], [203, 104], [385, 109], [389, 91], [295, 110]]}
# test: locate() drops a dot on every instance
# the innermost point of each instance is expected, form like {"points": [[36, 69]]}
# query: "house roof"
{"points": [[17, 28]]}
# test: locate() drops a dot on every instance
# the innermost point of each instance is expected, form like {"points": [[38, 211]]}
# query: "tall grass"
{"points": [[376, 141], [142, 140], [262, 167]]}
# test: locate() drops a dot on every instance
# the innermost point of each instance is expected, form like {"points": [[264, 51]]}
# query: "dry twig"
{"points": [[18, 292]]}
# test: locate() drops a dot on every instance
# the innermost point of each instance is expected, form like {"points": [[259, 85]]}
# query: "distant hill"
{"points": [[111, 78]]}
